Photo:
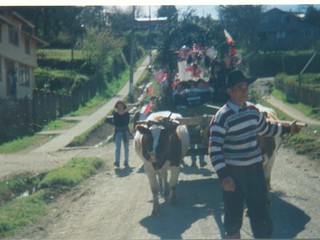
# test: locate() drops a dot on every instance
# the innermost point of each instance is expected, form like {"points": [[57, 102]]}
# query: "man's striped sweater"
{"points": [[233, 136]]}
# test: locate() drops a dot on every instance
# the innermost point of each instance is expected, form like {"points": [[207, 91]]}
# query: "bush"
{"points": [[58, 80], [72, 173], [291, 63]]}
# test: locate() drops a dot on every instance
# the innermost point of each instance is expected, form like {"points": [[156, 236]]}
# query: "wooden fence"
{"points": [[21, 117]]}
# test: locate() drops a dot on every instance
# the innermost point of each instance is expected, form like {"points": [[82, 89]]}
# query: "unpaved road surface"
{"points": [[116, 204]]}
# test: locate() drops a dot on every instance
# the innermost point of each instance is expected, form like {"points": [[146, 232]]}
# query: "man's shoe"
{"points": [[116, 164], [126, 164]]}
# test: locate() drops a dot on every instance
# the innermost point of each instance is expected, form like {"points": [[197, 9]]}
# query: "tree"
{"points": [[188, 30], [98, 44], [168, 11], [241, 22], [93, 16], [119, 20], [312, 16]]}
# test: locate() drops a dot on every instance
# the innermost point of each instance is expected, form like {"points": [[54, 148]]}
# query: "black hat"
{"points": [[235, 77]]}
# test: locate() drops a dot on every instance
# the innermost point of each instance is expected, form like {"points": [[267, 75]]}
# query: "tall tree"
{"points": [[241, 21], [119, 20], [168, 11], [312, 15], [189, 29]]}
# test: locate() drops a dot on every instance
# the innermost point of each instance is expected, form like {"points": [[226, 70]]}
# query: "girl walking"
{"points": [[121, 119]]}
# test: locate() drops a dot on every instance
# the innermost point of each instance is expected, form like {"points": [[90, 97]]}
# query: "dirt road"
{"points": [[116, 204]]}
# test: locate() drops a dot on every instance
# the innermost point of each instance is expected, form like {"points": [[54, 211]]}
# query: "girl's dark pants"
{"points": [[251, 191]]}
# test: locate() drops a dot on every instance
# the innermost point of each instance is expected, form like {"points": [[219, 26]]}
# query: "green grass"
{"points": [[20, 144], [305, 109], [306, 142], [10, 186], [61, 54], [59, 124], [21, 211], [72, 173]]}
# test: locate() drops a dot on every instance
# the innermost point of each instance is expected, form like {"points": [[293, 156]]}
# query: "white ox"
{"points": [[269, 146], [162, 144]]}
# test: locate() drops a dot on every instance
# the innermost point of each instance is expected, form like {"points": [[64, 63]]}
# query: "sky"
{"points": [[204, 10], [202, 7]]}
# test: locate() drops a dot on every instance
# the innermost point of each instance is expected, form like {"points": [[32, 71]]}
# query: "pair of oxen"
{"points": [[162, 141]]}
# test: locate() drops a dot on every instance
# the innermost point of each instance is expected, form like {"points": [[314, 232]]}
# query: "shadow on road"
{"points": [[197, 200], [288, 220], [188, 170], [123, 172]]}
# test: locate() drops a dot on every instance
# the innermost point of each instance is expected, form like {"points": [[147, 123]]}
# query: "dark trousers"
{"points": [[251, 190]]}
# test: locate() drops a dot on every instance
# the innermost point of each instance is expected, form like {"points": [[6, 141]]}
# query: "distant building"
{"points": [[150, 23], [280, 30], [18, 57]]}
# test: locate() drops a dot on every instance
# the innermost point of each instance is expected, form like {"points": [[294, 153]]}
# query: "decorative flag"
{"points": [[233, 51], [145, 109], [188, 69], [228, 37], [159, 76], [150, 90]]}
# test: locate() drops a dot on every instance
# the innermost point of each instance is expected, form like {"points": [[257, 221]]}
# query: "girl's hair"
{"points": [[120, 102]]}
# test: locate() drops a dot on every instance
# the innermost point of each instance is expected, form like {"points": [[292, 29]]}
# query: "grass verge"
{"points": [[306, 142], [305, 109], [18, 212], [20, 144]]}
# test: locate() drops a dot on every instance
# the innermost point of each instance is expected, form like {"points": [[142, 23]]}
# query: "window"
{"points": [[285, 19], [281, 35], [265, 19], [24, 76], [13, 35], [27, 45], [308, 33]]}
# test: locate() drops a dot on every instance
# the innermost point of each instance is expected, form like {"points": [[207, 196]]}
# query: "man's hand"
{"points": [[228, 184], [294, 128]]}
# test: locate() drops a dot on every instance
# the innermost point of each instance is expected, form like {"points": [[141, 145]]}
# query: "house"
{"points": [[18, 57], [280, 30], [150, 23]]}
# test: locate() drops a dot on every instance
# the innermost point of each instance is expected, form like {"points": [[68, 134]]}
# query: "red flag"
{"points": [[188, 69], [233, 51], [150, 90], [228, 37], [146, 109]]}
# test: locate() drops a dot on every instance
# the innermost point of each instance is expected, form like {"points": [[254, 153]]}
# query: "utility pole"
{"points": [[310, 60], [132, 56]]}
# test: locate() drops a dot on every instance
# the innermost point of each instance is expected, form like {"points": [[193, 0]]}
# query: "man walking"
{"points": [[237, 158]]}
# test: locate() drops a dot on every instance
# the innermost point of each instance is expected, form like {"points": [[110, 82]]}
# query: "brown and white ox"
{"points": [[161, 142], [269, 146]]}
